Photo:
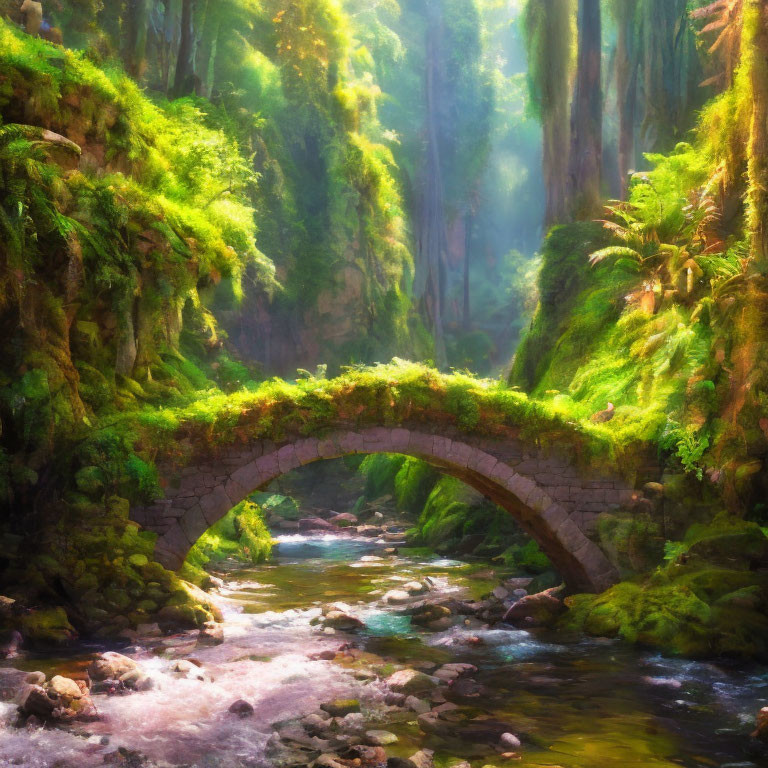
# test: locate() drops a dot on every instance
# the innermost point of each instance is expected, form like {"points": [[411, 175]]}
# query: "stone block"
{"points": [[483, 463], [460, 454], [554, 516], [421, 444], [441, 447], [287, 460], [352, 442], [215, 505], [570, 535], [306, 450], [193, 524]]}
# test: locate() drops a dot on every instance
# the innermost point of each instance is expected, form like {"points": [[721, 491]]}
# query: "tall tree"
{"points": [[206, 49], [549, 37], [430, 278], [184, 82], [585, 163], [627, 67], [755, 60], [138, 27]]}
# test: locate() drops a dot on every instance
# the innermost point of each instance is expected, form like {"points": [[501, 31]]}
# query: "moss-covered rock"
{"points": [[693, 606], [46, 628]]}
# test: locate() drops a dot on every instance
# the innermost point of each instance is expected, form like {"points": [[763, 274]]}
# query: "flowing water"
{"points": [[573, 704]]}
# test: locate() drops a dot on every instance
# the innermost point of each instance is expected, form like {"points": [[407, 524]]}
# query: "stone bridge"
{"points": [[551, 495]]}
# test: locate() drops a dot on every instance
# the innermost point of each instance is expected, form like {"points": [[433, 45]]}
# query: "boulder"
{"points": [[342, 621], [426, 613], [536, 610], [65, 690], [397, 597], [409, 681], [111, 666]]}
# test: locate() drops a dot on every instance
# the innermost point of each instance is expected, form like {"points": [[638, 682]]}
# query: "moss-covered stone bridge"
{"points": [[555, 476]]}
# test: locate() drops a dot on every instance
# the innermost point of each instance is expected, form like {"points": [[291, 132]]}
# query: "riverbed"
{"points": [[571, 703]]}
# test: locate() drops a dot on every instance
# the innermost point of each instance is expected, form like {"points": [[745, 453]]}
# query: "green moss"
{"points": [[693, 608], [241, 534], [46, 628]]}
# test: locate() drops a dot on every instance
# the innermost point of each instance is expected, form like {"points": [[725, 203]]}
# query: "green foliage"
{"points": [[241, 534], [706, 601]]}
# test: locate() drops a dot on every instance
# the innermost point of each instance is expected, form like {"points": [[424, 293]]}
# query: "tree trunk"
{"points": [[626, 88], [206, 50], [170, 41], [549, 41], [430, 278], [467, 319], [585, 166], [756, 54], [138, 19], [184, 82]]}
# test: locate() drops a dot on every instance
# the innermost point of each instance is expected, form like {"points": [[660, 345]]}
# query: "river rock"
{"points": [[397, 597], [211, 634], [241, 708], [315, 524], [111, 666], [341, 707], [370, 531], [33, 700], [66, 690], [380, 738], [761, 732], [10, 644], [186, 670], [344, 520], [35, 678], [6, 606], [426, 613], [368, 757], [409, 681], [342, 621], [417, 705], [536, 610], [149, 630], [400, 762], [424, 758], [329, 761], [450, 672], [416, 588], [510, 740]]}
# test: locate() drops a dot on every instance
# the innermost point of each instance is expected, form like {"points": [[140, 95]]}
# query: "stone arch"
{"points": [[552, 500]]}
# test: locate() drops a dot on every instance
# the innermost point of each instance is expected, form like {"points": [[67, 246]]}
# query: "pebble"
{"points": [[510, 740], [380, 738]]}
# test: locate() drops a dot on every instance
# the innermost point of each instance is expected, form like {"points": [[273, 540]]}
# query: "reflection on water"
{"points": [[574, 705]]}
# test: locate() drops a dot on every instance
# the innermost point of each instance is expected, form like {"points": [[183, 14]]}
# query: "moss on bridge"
{"points": [[383, 395]]}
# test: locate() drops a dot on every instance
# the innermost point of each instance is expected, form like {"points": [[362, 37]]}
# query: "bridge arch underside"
{"points": [[553, 501]]}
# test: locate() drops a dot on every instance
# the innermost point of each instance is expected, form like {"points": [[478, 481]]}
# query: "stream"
{"points": [[572, 704]]}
